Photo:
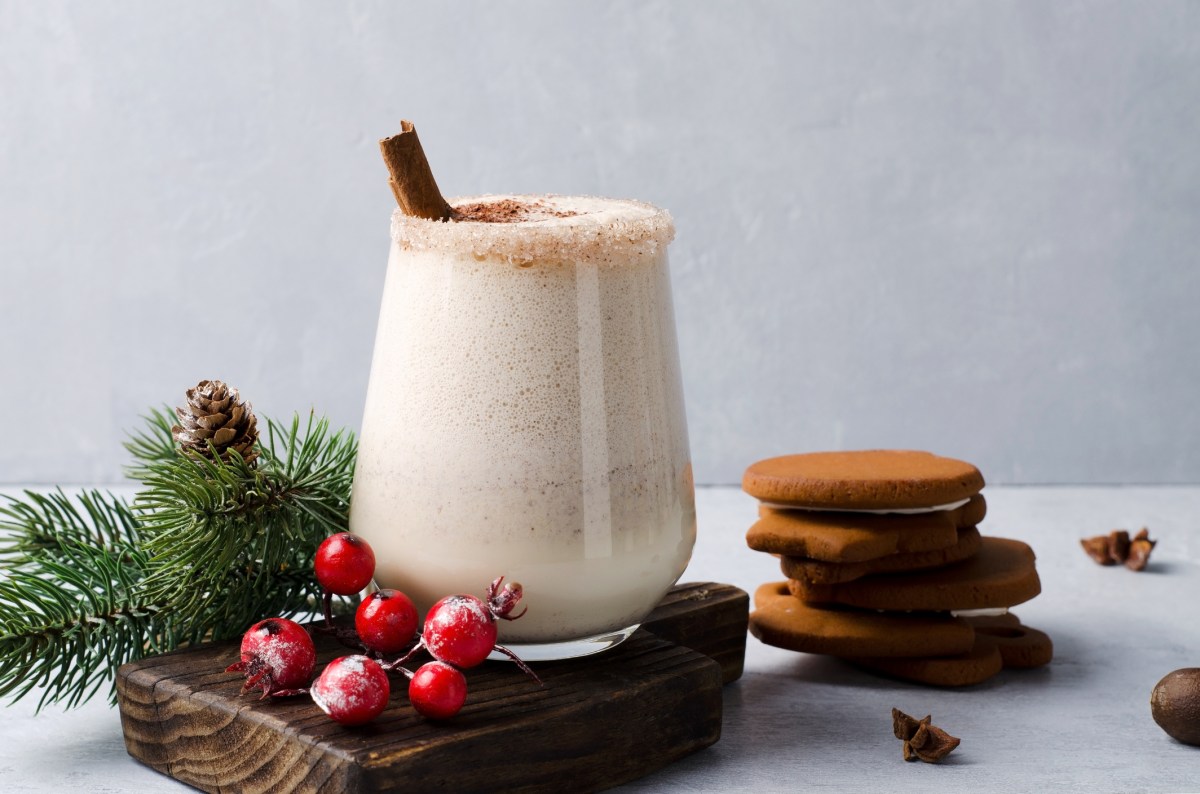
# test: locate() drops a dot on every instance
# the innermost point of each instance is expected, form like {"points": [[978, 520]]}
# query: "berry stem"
{"points": [[346, 636], [396, 665], [519, 662]]}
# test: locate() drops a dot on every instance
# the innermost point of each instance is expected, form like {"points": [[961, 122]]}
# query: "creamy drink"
{"points": [[525, 416]]}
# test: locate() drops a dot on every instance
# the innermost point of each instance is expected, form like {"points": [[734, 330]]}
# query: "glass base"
{"points": [[570, 649]]}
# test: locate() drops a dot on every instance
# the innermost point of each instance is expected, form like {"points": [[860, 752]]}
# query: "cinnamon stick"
{"points": [[412, 181]]}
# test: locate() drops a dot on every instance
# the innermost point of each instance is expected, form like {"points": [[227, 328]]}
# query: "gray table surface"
{"points": [[800, 722]]}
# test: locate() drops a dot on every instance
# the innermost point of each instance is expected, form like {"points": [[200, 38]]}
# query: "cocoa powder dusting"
{"points": [[506, 211]]}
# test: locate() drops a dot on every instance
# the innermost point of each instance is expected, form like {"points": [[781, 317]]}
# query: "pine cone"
{"points": [[215, 413]]}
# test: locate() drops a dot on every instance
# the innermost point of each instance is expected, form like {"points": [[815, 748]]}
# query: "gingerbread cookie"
{"points": [[1000, 641], [973, 667], [1021, 647], [834, 536], [814, 572], [866, 480], [786, 622], [1001, 574]]}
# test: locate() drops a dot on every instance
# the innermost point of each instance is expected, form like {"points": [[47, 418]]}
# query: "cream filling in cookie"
{"points": [[904, 510], [987, 612]]}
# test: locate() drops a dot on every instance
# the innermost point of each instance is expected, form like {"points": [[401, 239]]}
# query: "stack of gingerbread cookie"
{"points": [[886, 569]]}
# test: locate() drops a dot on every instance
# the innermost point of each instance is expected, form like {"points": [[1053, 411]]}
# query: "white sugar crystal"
{"points": [[555, 229]]}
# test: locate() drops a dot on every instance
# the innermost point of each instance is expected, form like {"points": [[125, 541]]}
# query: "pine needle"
{"points": [[152, 445]]}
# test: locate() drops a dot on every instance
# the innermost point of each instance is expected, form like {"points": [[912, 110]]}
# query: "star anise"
{"points": [[1139, 550], [922, 740], [1116, 548]]}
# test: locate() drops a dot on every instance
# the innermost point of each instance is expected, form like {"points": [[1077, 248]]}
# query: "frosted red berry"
{"points": [[352, 690], [459, 630], [344, 564], [277, 656], [386, 621], [437, 690]]}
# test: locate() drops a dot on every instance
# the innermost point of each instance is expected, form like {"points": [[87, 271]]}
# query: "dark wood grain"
{"points": [[598, 721], [709, 618]]}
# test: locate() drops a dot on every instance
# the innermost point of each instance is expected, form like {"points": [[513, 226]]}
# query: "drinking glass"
{"points": [[525, 418]]}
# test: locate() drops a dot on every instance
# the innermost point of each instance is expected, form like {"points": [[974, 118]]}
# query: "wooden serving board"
{"points": [[598, 722]]}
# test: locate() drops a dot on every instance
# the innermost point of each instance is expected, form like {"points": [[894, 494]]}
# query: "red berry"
{"points": [[437, 690], [386, 621], [276, 655], [344, 564], [460, 630], [352, 690]]}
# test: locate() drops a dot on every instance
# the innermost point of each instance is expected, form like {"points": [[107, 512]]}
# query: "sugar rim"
{"points": [[606, 230]]}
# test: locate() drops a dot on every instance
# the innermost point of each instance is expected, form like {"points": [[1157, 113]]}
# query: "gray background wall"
{"points": [[967, 227]]}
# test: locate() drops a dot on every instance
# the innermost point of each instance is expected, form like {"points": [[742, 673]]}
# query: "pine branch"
{"points": [[205, 517], [207, 548], [49, 523], [70, 612], [320, 468]]}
